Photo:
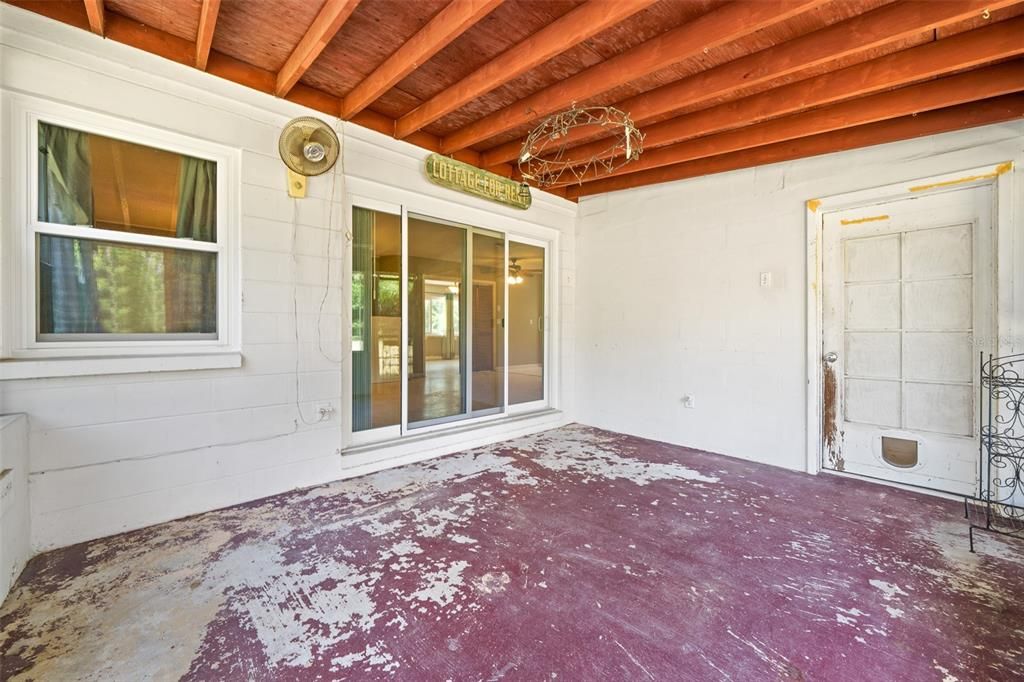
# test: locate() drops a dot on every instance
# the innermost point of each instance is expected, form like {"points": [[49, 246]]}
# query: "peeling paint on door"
{"points": [[831, 436]]}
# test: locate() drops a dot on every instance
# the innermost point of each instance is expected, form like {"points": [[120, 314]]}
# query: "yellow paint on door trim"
{"points": [[999, 170], [858, 221]]}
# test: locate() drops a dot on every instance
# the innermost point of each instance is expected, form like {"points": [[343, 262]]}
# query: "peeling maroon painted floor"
{"points": [[575, 554]]}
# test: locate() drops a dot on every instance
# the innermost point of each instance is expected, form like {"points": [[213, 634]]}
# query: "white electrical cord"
{"points": [[339, 172], [338, 168]]}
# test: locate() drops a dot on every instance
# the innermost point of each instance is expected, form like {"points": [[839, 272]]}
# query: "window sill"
{"points": [[31, 368]]}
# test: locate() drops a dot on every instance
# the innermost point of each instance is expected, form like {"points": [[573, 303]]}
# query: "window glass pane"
{"points": [[376, 319], [526, 323], [98, 287], [437, 273], [436, 312], [87, 179], [489, 275]]}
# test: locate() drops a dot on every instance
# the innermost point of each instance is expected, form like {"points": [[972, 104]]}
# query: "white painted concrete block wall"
{"points": [[110, 453], [668, 298], [14, 510]]}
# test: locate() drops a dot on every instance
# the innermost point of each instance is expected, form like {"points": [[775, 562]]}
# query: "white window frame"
{"points": [[20, 293], [372, 196]]}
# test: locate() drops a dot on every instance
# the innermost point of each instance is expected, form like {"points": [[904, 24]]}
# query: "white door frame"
{"points": [[1009, 257]]}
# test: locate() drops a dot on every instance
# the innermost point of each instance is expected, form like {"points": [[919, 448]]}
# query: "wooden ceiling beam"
{"points": [[123, 30], [973, 114], [446, 26], [571, 29], [71, 13], [990, 81], [328, 22], [705, 33], [858, 34], [204, 35], [95, 11], [962, 51]]}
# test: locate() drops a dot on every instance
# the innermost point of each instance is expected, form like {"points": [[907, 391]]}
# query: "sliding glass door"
{"points": [[436, 321], [447, 323], [376, 320], [488, 319], [526, 299]]}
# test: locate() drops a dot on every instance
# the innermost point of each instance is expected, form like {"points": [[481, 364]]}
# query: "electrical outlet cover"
{"points": [[324, 411]]}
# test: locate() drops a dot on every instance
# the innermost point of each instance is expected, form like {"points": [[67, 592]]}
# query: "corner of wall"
{"points": [[14, 516]]}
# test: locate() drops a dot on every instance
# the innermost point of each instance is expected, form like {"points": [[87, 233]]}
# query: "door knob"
{"points": [[831, 357]]}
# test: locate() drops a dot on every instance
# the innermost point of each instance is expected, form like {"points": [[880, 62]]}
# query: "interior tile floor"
{"points": [[576, 554], [438, 392]]}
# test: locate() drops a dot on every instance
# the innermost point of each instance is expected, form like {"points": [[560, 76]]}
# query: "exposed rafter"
{"points": [[964, 51], [328, 22], [574, 27], [95, 11], [449, 24], [707, 32], [169, 46], [204, 36], [723, 122], [859, 34], [985, 112], [991, 81]]}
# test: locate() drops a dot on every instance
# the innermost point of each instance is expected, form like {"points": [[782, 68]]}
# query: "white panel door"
{"points": [[907, 305]]}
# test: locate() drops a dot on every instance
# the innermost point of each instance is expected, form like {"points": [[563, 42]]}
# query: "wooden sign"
{"points": [[453, 174]]}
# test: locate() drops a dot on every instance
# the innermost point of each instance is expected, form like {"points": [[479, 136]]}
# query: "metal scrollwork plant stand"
{"points": [[999, 504]]}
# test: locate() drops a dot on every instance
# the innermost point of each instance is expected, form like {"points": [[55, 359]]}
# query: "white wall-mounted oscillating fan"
{"points": [[308, 146]]}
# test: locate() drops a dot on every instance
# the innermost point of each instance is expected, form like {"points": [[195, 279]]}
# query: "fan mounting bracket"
{"points": [[296, 185]]}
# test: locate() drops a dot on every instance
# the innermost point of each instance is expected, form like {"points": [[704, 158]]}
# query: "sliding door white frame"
{"points": [[387, 432], [493, 234], [377, 197], [504, 330], [465, 334], [533, 405], [403, 371]]}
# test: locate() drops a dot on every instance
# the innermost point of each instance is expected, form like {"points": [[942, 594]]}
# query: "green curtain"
{"points": [[190, 279], [67, 283], [197, 200], [362, 310]]}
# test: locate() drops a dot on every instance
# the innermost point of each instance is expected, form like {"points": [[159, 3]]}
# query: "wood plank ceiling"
{"points": [[714, 85]]}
